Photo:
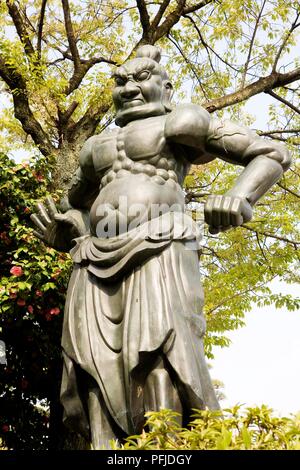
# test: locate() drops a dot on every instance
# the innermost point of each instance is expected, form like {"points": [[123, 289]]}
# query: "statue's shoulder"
{"points": [[187, 119], [98, 139], [94, 143]]}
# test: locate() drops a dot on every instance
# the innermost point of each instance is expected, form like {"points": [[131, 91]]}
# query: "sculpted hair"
{"points": [[153, 53]]}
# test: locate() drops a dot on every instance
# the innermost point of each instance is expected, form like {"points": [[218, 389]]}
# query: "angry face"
{"points": [[142, 90]]}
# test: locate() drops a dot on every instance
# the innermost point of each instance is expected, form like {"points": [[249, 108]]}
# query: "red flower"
{"points": [[12, 295], [27, 210], [16, 271], [30, 308], [24, 384], [38, 176], [54, 311], [39, 293], [5, 428], [21, 302]]}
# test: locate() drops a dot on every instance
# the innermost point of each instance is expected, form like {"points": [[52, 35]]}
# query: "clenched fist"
{"points": [[223, 212]]}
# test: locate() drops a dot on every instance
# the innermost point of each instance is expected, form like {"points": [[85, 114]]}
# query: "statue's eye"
{"points": [[143, 75], [120, 81]]}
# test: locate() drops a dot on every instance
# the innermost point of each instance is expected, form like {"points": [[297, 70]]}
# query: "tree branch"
{"points": [[64, 116], [20, 27], [170, 21], [144, 17], [292, 28], [207, 46], [84, 67], [190, 196], [284, 101], [264, 84], [288, 190], [70, 34], [251, 44], [160, 13], [169, 36], [279, 131], [22, 110], [195, 7], [40, 28], [271, 235], [238, 294], [86, 126]]}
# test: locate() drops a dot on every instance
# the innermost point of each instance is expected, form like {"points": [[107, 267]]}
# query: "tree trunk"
{"points": [[65, 165]]}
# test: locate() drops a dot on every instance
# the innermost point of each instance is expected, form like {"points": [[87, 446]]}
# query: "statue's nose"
{"points": [[129, 90]]}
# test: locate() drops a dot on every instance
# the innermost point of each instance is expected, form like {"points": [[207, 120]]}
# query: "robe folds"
{"points": [[131, 298]]}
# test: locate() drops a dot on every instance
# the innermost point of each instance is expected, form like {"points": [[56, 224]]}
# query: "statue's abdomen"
{"points": [[143, 182], [132, 198]]}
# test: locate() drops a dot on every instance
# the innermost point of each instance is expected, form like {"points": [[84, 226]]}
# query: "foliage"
{"points": [[32, 287], [230, 429], [238, 266]]}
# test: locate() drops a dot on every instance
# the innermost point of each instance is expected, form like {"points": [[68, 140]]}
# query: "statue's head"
{"points": [[142, 87]]}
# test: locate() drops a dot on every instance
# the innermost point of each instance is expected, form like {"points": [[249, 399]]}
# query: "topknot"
{"points": [[149, 51]]}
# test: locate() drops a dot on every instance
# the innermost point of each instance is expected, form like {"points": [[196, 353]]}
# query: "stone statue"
{"points": [[133, 324]]}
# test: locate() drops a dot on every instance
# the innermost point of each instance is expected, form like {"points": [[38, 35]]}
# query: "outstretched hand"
{"points": [[54, 229], [224, 212]]}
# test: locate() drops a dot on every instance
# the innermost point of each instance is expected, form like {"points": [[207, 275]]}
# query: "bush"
{"points": [[230, 429], [32, 291]]}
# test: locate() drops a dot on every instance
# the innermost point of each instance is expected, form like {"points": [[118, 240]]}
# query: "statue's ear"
{"points": [[167, 94]]}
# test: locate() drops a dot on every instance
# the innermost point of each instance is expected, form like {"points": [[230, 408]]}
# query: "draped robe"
{"points": [[131, 298]]}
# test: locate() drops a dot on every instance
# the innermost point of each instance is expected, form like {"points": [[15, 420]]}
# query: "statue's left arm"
{"points": [[264, 161], [206, 138]]}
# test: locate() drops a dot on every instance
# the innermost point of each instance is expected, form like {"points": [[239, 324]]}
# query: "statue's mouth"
{"points": [[132, 102]]}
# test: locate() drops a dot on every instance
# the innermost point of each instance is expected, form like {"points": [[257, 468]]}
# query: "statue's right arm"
{"points": [[84, 186], [59, 229]]}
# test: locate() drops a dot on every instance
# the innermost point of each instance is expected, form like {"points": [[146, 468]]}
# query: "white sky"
{"points": [[262, 365]]}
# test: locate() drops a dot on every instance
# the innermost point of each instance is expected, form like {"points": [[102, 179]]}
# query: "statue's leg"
{"points": [[160, 390], [103, 429]]}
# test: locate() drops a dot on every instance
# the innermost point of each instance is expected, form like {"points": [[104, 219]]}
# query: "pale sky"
{"points": [[262, 365]]}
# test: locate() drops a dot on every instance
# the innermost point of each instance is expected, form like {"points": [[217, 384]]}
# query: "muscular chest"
{"points": [[141, 140]]}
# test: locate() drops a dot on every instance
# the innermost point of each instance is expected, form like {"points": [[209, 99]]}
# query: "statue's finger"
{"points": [[43, 214], [213, 230], [236, 218], [38, 235], [208, 210], [235, 212], [63, 218], [35, 219], [51, 206], [225, 211], [247, 212], [216, 212]]}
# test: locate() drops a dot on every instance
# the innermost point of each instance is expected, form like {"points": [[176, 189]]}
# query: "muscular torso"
{"points": [[141, 176]]}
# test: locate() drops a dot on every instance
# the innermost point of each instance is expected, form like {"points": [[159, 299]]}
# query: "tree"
{"points": [[56, 57]]}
